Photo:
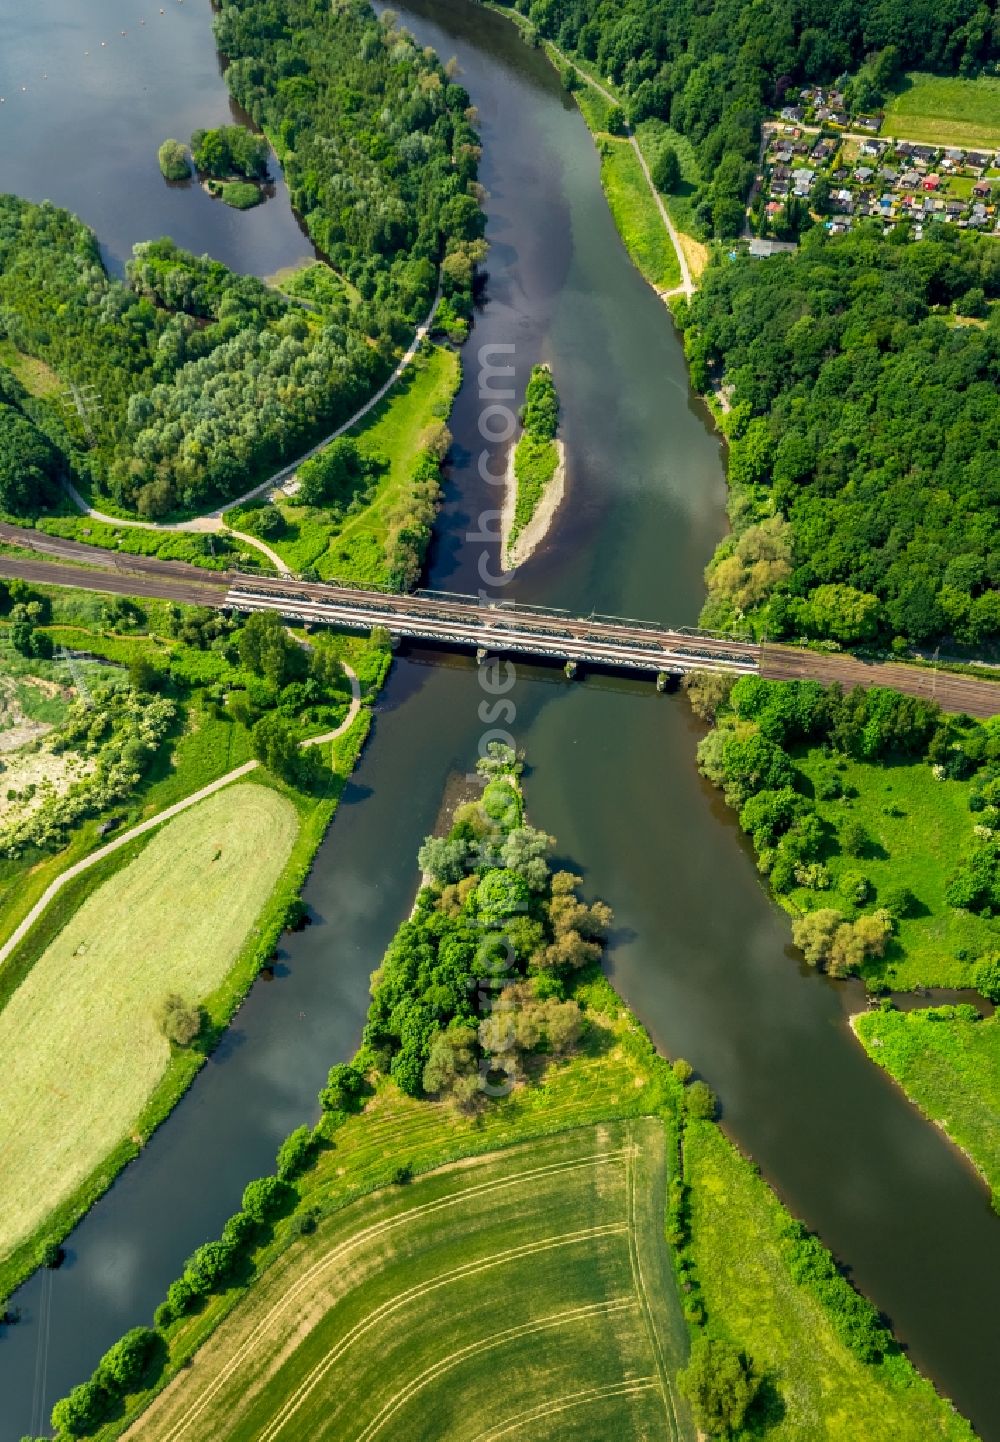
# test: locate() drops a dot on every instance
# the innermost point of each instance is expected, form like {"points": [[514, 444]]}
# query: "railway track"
{"points": [[462, 621]]}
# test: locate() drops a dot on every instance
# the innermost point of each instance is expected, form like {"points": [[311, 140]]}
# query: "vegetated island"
{"points": [[231, 162], [536, 472], [174, 163], [639, 1264]]}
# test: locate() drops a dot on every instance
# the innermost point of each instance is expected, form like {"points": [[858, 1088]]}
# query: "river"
{"points": [[698, 950]]}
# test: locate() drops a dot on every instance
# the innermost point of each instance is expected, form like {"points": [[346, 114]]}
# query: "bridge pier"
{"points": [[569, 670]]}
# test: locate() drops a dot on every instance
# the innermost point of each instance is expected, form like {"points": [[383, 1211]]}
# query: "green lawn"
{"points": [[214, 551], [82, 1050], [535, 464], [36, 377], [636, 214], [919, 828], [354, 548], [503, 1297], [653, 137], [951, 1069], [945, 110], [826, 1394]]}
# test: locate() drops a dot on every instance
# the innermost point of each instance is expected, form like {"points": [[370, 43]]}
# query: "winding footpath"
{"points": [[212, 521], [54, 887]]}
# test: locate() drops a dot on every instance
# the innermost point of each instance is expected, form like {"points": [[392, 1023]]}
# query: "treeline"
{"points": [[864, 433], [377, 145], [712, 69], [30, 465]]}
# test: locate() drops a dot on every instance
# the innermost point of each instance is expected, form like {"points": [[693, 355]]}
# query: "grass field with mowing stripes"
{"points": [[946, 110], [522, 1294], [82, 1050]]}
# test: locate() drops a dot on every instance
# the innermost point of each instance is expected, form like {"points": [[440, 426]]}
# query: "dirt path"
{"points": [[54, 887], [212, 521], [686, 286]]}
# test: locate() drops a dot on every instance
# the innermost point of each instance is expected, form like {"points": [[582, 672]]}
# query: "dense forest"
{"points": [[192, 381], [864, 438], [711, 68], [377, 145]]}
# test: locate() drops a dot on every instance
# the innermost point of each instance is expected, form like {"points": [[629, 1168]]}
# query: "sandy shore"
{"points": [[537, 528]]}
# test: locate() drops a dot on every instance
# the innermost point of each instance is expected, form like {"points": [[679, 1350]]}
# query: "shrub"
{"points": [[701, 1101], [987, 976], [82, 1411], [721, 1384], [855, 887], [178, 1022], [344, 1085], [682, 1070], [241, 195], [899, 902], [173, 158]]}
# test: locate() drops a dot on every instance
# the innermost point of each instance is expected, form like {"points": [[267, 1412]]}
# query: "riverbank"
{"points": [[373, 1142], [946, 1061], [149, 1080]]}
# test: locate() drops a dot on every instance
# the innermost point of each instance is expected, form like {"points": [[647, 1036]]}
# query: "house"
{"points": [[954, 157], [823, 112], [870, 123], [909, 180], [840, 117], [794, 113], [836, 99], [926, 153], [824, 150], [977, 160], [903, 147], [840, 175], [931, 182], [978, 217], [779, 187], [863, 174], [983, 188], [839, 227], [842, 201], [761, 249], [889, 175], [774, 207], [802, 180], [953, 209]]}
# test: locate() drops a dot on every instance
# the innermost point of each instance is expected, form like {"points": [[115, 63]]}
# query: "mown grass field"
{"points": [[503, 1297], [819, 1389], [918, 828], [82, 1050], [946, 110], [654, 136], [354, 548], [636, 214], [951, 1070]]}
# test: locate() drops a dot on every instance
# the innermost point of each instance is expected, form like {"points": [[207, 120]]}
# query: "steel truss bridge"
{"points": [[498, 627]]}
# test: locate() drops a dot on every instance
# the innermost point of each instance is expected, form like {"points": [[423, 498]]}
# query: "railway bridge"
{"points": [[498, 626]]}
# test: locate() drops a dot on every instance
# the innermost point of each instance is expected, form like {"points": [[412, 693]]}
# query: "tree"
{"points": [[295, 1153], [82, 1411], [143, 674], [616, 122], [721, 1384], [707, 691], [666, 170], [344, 1085], [813, 934], [173, 158], [443, 859], [267, 649], [122, 1366], [700, 1101], [854, 838], [524, 850], [275, 747], [178, 1021], [450, 1065], [265, 1197]]}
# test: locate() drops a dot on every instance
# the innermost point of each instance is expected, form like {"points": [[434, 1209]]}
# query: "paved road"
{"points": [[79, 867]]}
